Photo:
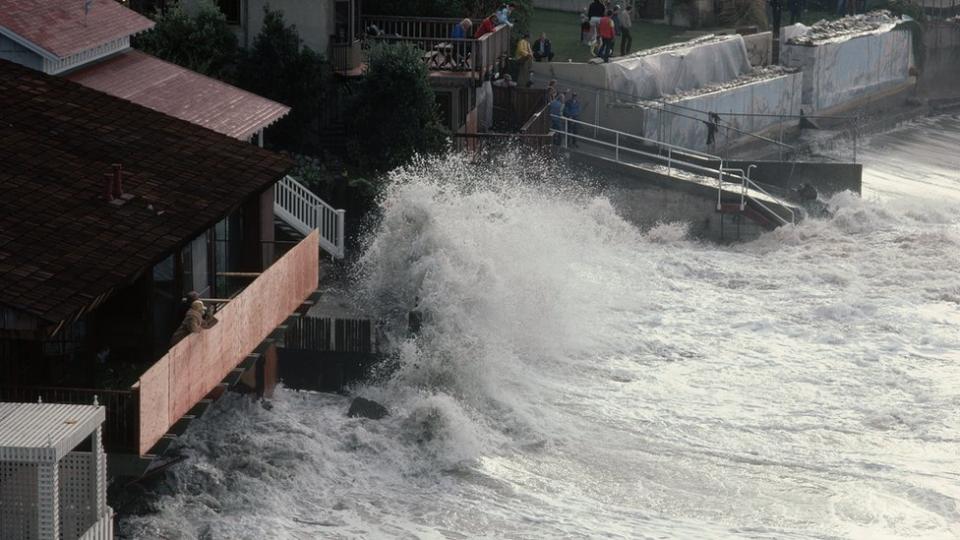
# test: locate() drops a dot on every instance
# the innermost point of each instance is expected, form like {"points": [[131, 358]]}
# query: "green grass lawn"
{"points": [[563, 29]]}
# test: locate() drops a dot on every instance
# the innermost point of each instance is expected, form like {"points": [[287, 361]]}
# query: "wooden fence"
{"points": [[514, 106], [333, 335]]}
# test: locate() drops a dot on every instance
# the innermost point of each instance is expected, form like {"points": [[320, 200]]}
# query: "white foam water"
{"points": [[577, 377]]}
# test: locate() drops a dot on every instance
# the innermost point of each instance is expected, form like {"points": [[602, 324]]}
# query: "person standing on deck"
{"points": [[462, 29], [607, 32], [556, 116], [571, 110], [524, 60], [626, 21], [503, 14]]}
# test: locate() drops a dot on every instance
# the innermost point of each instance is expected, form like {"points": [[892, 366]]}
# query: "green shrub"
{"points": [[393, 112], [278, 66], [203, 42]]}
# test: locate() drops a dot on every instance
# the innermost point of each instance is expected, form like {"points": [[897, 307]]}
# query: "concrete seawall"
{"points": [[676, 122]]}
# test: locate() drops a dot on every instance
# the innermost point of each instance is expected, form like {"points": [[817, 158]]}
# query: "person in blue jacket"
{"points": [[503, 14], [461, 30], [571, 110]]}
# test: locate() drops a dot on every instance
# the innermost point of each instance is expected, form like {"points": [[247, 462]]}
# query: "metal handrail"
{"points": [[668, 147], [753, 185], [702, 155], [738, 175], [304, 211]]}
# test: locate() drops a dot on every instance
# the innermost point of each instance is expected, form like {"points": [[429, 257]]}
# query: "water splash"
{"points": [[577, 376]]}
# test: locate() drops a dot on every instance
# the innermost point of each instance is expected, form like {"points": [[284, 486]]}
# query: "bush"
{"points": [[203, 43], [393, 111], [278, 66]]}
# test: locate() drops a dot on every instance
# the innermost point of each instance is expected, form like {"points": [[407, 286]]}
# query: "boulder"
{"points": [[367, 409]]}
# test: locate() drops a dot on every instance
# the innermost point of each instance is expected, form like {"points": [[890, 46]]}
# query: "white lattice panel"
{"points": [[103, 529], [18, 500], [77, 502]]}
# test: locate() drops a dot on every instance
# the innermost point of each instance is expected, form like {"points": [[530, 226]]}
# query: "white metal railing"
{"points": [[674, 156], [304, 211]]}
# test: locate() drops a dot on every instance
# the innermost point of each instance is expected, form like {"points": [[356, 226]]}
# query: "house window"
{"points": [[230, 9]]}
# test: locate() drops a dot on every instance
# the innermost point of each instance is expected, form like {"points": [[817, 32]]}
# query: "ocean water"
{"points": [[580, 378]]}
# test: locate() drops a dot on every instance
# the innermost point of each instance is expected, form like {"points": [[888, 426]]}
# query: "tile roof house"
{"points": [[62, 247], [89, 42], [100, 237]]}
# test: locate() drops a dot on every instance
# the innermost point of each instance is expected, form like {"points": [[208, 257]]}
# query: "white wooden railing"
{"points": [[304, 211]]}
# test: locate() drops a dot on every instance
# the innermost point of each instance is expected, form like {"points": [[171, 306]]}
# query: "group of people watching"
{"points": [[563, 105], [601, 23]]}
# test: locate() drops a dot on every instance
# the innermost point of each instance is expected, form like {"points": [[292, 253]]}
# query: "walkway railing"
{"points": [[304, 211], [675, 158]]}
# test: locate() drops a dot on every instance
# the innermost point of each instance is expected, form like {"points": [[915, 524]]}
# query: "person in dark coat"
{"points": [[196, 320], [796, 10], [542, 49]]}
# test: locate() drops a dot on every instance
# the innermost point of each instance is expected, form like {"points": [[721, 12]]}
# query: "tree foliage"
{"points": [[280, 67], [393, 111], [202, 42]]}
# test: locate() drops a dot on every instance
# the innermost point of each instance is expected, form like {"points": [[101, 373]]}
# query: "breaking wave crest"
{"points": [[577, 376]]}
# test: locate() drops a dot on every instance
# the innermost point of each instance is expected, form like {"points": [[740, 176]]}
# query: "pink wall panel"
{"points": [[154, 408], [196, 365]]}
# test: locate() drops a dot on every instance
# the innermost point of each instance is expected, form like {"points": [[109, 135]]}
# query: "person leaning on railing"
{"points": [[486, 27], [196, 320], [461, 30], [503, 14]]}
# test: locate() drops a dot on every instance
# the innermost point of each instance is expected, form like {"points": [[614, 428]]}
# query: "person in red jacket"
{"points": [[487, 26], [607, 30]]}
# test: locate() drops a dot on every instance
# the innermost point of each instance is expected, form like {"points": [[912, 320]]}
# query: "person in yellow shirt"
{"points": [[524, 60]]}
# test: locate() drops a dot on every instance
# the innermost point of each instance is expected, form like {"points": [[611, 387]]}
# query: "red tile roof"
{"points": [[179, 92], [61, 28], [62, 247]]}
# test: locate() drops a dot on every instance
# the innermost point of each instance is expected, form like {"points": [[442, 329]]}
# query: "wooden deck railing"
{"points": [[344, 56], [197, 364], [138, 417], [441, 52], [514, 106]]}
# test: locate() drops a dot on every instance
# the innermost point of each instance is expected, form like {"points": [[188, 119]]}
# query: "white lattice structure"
{"points": [[50, 490]]}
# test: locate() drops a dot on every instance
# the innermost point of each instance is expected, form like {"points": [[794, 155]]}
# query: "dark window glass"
{"points": [[230, 9]]}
